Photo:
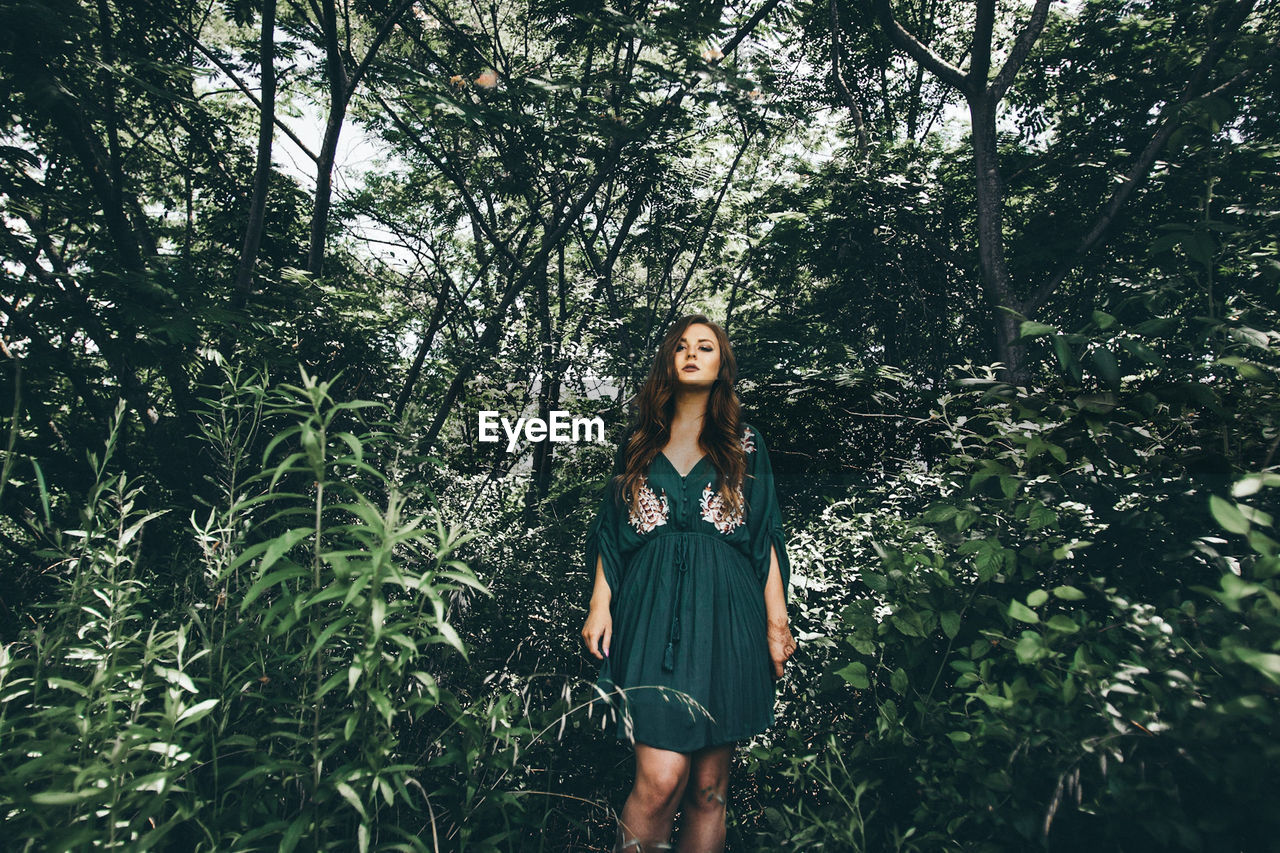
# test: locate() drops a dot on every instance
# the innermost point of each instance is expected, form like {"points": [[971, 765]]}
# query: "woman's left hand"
{"points": [[781, 645]]}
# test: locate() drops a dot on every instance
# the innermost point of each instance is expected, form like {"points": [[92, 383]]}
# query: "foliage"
{"points": [[326, 615], [1050, 641], [279, 698]]}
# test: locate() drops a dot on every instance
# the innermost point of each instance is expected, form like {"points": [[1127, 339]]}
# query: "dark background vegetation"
{"points": [[1002, 283]]}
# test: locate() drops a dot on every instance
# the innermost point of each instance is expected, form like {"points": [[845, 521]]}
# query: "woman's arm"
{"points": [[775, 603], [781, 644], [598, 630], [601, 595]]}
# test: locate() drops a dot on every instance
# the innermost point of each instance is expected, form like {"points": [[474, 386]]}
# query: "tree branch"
{"points": [[383, 32], [943, 70], [467, 199], [841, 87], [1021, 49], [1166, 124], [231, 75]]}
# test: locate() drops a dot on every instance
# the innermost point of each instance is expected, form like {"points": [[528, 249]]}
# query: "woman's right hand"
{"points": [[598, 631]]}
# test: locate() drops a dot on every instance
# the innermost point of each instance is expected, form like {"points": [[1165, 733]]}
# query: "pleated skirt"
{"points": [[688, 663]]}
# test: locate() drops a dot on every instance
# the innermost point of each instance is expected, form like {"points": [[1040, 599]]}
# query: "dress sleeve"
{"points": [[602, 536], [765, 516]]}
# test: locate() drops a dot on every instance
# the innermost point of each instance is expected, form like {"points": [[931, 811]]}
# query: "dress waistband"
{"points": [[684, 534]]}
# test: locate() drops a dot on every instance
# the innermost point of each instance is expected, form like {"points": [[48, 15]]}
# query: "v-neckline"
{"points": [[684, 476]]}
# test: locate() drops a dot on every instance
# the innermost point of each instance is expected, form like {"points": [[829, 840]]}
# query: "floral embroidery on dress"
{"points": [[715, 511], [748, 440], [653, 510]]}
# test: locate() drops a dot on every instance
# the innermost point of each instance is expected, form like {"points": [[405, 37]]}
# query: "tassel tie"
{"points": [[673, 634]]}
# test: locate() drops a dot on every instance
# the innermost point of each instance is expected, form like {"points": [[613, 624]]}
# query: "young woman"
{"points": [[688, 613]]}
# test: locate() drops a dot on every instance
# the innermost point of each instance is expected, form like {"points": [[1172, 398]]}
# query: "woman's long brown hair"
{"points": [[721, 434]]}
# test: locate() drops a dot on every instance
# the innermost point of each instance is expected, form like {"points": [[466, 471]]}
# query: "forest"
{"points": [[1003, 284]]}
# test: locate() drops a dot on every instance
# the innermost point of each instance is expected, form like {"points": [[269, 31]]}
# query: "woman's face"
{"points": [[697, 357]]}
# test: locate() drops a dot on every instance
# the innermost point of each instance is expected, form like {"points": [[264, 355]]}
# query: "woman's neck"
{"points": [[690, 406]]}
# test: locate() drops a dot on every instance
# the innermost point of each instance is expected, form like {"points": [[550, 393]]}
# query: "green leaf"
{"points": [[1032, 329], [989, 562], [1103, 320], [451, 637], [1141, 351], [907, 626], [1250, 370], [349, 795], [1063, 623], [1228, 515], [898, 681], [276, 577], [1253, 483], [196, 712], [1042, 516], [875, 581], [67, 684], [1096, 403], [1030, 648], [295, 834], [939, 513], [1200, 247], [994, 701], [66, 798], [1068, 593], [328, 632], [354, 671], [1108, 368], [1067, 358], [1263, 662], [1037, 597], [856, 674], [1009, 486], [950, 623], [1022, 613], [989, 469], [467, 578], [1067, 551], [175, 677], [44, 491]]}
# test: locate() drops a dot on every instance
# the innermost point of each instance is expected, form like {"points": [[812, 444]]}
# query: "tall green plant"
{"points": [[330, 621], [277, 701], [96, 700]]}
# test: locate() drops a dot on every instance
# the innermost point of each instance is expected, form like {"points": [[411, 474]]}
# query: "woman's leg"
{"points": [[702, 827], [647, 815]]}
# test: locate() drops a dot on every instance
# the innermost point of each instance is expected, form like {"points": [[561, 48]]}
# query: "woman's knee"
{"points": [[660, 788], [706, 795], [708, 781]]}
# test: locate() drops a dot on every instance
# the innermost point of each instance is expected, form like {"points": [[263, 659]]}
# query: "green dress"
{"points": [[688, 663]]}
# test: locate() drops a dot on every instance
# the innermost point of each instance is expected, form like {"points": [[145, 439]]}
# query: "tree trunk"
{"points": [[324, 184], [991, 256], [262, 171], [339, 97]]}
